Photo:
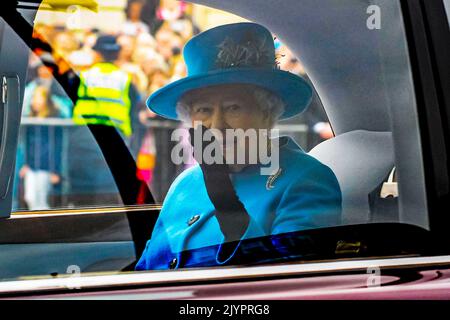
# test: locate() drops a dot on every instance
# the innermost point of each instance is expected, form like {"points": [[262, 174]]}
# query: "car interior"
{"points": [[364, 80]]}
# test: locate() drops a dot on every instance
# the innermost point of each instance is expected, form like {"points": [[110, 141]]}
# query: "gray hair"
{"points": [[266, 100]]}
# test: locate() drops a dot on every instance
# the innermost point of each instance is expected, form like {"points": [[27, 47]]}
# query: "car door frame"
{"points": [[427, 61], [428, 39]]}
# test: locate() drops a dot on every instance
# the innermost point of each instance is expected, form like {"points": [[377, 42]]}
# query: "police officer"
{"points": [[105, 94]]}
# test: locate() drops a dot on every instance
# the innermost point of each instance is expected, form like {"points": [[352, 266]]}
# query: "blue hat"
{"points": [[239, 53], [106, 43]]}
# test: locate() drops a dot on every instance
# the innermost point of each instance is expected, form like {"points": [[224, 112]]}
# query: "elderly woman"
{"points": [[221, 213]]}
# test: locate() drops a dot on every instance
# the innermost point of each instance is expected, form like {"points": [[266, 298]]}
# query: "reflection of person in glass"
{"points": [[221, 214], [43, 147]]}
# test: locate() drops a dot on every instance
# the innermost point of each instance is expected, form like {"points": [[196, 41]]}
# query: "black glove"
{"points": [[230, 212]]}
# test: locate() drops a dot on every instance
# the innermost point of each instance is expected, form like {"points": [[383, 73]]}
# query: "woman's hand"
{"points": [[231, 214], [23, 171], [54, 178]]}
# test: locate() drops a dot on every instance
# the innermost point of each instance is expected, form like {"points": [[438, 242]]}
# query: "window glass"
{"points": [[59, 163], [327, 101]]}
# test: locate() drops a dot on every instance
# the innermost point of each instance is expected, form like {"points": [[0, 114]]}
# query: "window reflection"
{"points": [[151, 35]]}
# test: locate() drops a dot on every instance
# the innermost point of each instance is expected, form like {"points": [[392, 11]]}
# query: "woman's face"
{"points": [[44, 72], [65, 43], [38, 102], [127, 45], [165, 40], [229, 107], [135, 11]]}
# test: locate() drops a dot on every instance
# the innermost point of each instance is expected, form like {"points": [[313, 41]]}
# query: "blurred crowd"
{"points": [[150, 49], [151, 42]]}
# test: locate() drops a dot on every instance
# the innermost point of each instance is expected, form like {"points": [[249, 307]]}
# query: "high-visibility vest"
{"points": [[103, 98]]}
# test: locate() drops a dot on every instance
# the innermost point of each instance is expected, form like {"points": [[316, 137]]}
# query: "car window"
{"points": [[334, 101], [59, 163]]}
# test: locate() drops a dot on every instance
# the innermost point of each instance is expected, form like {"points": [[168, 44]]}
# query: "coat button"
{"points": [[173, 263], [193, 220]]}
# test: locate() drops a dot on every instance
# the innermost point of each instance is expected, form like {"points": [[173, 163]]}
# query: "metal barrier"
{"points": [[71, 194]]}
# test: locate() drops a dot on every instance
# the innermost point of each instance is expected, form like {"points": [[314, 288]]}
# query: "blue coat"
{"points": [[306, 195]]}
